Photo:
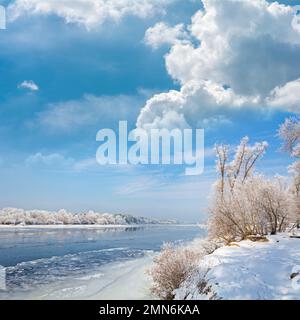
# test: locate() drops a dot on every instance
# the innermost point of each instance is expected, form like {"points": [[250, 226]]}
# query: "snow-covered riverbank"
{"points": [[249, 270]]}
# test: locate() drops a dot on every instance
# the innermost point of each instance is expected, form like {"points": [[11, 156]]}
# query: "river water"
{"points": [[83, 262]]}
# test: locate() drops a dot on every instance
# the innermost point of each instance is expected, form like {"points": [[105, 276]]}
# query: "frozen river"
{"points": [[83, 262]]}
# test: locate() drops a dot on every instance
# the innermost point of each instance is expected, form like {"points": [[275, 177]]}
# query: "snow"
{"points": [[132, 284], [249, 271]]}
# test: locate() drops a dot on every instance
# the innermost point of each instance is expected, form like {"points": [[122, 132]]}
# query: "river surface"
{"points": [[82, 262]]}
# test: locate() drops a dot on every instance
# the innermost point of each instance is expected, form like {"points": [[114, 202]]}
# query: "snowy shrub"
{"points": [[171, 268]]}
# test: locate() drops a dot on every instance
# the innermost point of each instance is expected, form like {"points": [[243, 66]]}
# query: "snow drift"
{"points": [[248, 271]]}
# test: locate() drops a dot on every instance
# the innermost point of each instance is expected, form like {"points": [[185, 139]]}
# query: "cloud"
{"points": [[287, 96], [29, 85], [54, 160], [252, 46], [57, 161], [89, 13], [240, 54], [90, 110], [166, 191], [197, 104], [162, 33], [140, 184]]}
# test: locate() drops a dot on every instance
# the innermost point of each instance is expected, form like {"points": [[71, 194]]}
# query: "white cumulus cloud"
{"points": [[237, 54], [287, 96], [162, 33], [252, 46], [198, 103]]}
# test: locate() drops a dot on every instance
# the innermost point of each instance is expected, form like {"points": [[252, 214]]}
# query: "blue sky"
{"points": [[63, 77]]}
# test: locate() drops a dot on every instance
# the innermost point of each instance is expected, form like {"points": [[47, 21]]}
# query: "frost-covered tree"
{"points": [[13, 216], [246, 203], [234, 172], [289, 132]]}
